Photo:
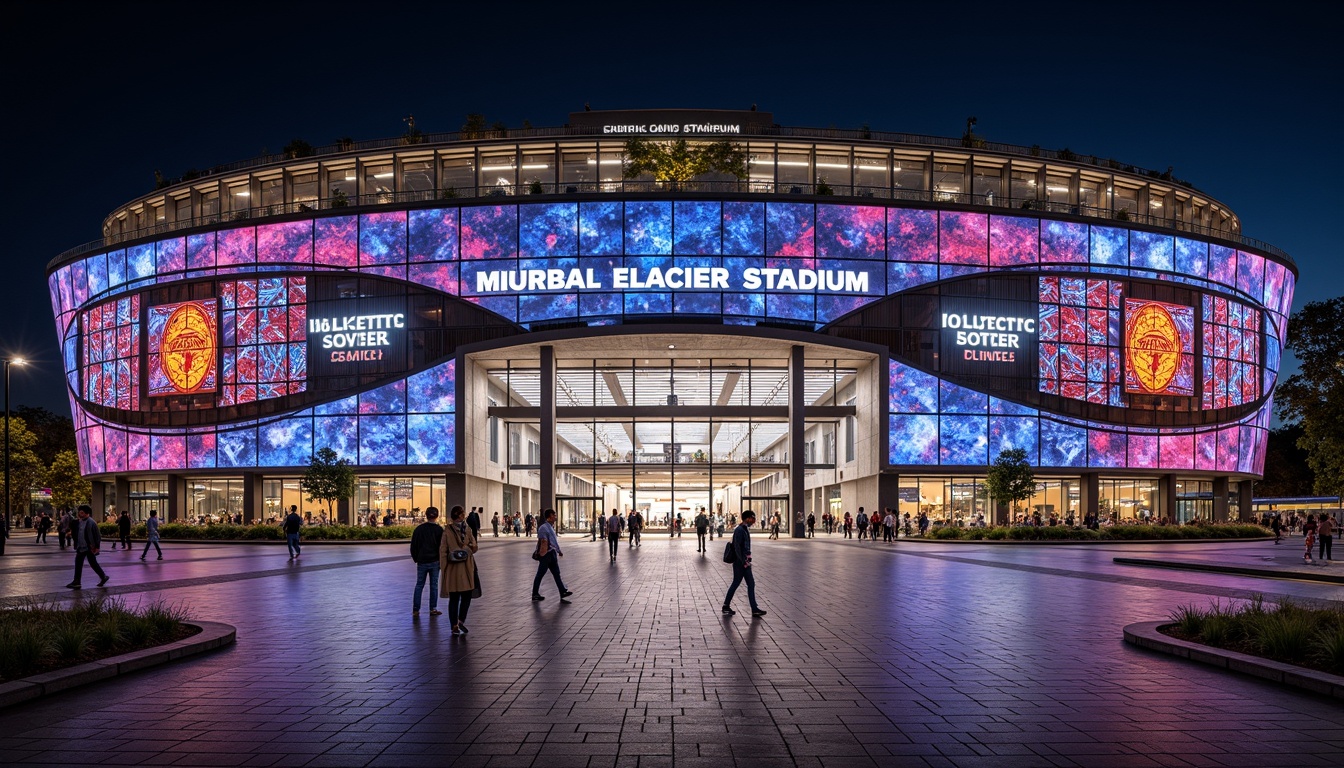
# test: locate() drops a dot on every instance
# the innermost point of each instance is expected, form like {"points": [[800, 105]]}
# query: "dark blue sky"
{"points": [[1243, 102]]}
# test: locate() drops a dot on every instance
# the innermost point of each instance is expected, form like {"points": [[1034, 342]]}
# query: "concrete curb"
{"points": [[1092, 542], [1145, 635], [213, 635], [1243, 570]]}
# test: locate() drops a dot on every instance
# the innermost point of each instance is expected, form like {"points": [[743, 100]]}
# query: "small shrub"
{"points": [[106, 633], [137, 630], [1329, 644], [997, 534], [1216, 629], [71, 639], [1189, 620], [164, 618], [22, 647], [1284, 635]]}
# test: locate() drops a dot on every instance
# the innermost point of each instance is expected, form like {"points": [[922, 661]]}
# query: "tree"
{"points": [[68, 486], [1314, 396], [678, 161], [54, 432], [474, 127], [328, 479], [1010, 478], [1286, 470], [25, 467]]}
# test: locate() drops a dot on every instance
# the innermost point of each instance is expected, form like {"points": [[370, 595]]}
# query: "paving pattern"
{"points": [[871, 655]]}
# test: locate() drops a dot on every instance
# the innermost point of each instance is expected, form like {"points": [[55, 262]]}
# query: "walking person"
{"points": [[862, 521], [65, 530], [614, 526], [528, 523], [740, 547], [889, 526], [635, 522], [457, 557], [1325, 532], [293, 524], [811, 525], [774, 527], [124, 530], [849, 526], [600, 526], [494, 522], [1277, 526], [425, 541], [87, 540], [152, 534], [548, 556], [701, 529], [43, 525], [474, 523]]}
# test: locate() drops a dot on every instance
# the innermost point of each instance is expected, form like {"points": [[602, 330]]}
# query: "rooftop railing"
{"points": [[849, 192]]}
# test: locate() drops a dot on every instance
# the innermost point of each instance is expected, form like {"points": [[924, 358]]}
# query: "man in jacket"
{"points": [[701, 529], [87, 541], [425, 542], [634, 522], [742, 565], [474, 523], [549, 548], [65, 529], [293, 524]]}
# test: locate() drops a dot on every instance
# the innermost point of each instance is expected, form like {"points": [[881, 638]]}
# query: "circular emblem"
{"points": [[1154, 347], [187, 353]]}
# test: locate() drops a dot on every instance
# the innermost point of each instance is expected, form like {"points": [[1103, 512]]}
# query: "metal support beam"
{"points": [[547, 427], [1245, 501], [254, 508], [797, 425], [1166, 498], [177, 498], [1089, 492]]}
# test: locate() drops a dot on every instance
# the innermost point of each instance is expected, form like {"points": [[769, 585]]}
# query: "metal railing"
{"points": [[640, 186]]}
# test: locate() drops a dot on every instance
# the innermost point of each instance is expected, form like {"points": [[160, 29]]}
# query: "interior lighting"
{"points": [[244, 193], [534, 166], [496, 167], [386, 175]]}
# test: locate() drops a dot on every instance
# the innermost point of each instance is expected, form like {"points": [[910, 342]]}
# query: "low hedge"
{"points": [[1288, 632], [264, 532], [1110, 533]]}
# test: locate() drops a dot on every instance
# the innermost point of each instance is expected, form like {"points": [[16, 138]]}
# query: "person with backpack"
{"points": [[614, 526], [862, 522], [635, 523], [701, 529], [293, 524], [124, 531], [43, 525], [738, 552]]}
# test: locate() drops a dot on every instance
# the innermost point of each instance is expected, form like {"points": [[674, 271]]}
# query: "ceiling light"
{"points": [[386, 175], [671, 346]]}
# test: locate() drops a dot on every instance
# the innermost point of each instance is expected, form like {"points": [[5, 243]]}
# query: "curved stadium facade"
{"points": [[501, 319]]}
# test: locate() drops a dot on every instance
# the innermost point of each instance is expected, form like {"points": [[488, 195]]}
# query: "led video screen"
{"points": [[183, 348], [1159, 348]]}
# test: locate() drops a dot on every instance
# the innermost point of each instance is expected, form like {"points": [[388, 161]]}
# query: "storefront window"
{"points": [[399, 500]]}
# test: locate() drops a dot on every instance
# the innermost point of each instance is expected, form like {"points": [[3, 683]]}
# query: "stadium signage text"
{"points": [[988, 338], [673, 278], [355, 338], [691, 128]]}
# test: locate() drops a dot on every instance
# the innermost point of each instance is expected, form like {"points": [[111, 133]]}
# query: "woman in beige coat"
{"points": [[458, 579]]}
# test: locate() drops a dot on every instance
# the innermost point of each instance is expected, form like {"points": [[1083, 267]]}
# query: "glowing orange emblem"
{"points": [[1153, 348], [187, 353]]}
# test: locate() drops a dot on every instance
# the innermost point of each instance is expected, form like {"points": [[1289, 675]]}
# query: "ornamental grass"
{"points": [[1288, 632], [38, 637]]}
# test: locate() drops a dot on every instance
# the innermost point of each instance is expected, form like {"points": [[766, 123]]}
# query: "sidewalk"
{"points": [[1282, 562]]}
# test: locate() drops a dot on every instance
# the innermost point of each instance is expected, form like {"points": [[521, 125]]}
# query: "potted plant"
{"points": [[339, 198]]}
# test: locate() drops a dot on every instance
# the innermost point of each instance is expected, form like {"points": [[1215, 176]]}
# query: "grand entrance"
{"points": [[673, 424]]}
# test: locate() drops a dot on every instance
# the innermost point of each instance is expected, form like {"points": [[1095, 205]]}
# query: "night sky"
{"points": [[1245, 104]]}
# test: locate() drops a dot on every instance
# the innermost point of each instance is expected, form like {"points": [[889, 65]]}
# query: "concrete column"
{"points": [[98, 500], [547, 429], [177, 498], [345, 511], [1089, 494], [253, 505], [1166, 498], [888, 491], [122, 487], [1220, 499], [797, 424], [1245, 501], [455, 492]]}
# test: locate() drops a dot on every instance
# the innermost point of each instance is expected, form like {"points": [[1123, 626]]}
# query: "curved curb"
{"points": [[1092, 542], [213, 635], [1145, 635], [1240, 570]]}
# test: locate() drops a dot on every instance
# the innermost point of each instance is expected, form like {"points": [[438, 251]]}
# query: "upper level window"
{"points": [[417, 176], [303, 187], [458, 174]]}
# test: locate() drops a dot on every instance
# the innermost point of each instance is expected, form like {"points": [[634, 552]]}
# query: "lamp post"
{"points": [[9, 512]]}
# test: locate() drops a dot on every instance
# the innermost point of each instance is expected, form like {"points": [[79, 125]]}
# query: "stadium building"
{"points": [[504, 319]]}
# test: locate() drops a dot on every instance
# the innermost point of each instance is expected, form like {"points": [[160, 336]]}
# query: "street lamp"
{"points": [[9, 512]]}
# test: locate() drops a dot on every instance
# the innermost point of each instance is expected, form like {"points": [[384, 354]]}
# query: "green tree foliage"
{"points": [[54, 432], [1010, 479], [1286, 470], [1314, 396], [474, 127], [25, 466], [677, 161], [68, 487], [328, 479]]}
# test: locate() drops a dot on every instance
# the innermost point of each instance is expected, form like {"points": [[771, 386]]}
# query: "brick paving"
{"points": [[871, 655]]}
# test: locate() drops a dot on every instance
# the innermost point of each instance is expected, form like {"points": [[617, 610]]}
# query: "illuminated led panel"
{"points": [[183, 348], [1159, 348], [111, 342]]}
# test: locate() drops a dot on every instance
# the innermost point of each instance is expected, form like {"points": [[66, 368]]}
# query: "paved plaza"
{"points": [[871, 655]]}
